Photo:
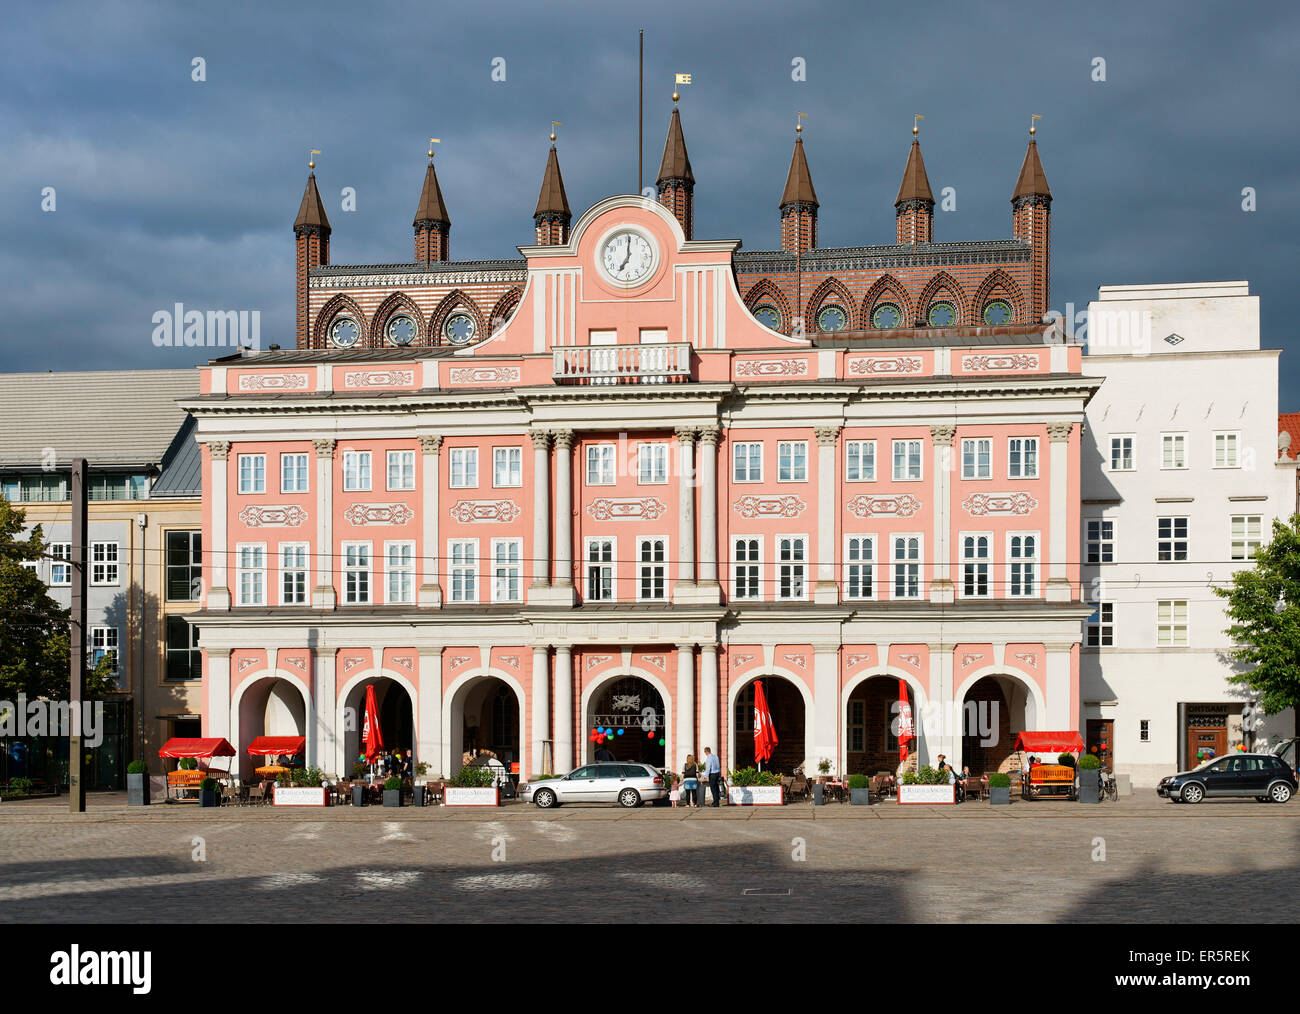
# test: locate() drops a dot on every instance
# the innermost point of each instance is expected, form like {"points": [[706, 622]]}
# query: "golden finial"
{"points": [[554, 124], [311, 162], [676, 95], [432, 142], [798, 127], [1032, 129], [916, 120]]}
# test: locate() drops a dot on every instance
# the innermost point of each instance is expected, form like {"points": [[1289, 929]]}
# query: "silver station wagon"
{"points": [[608, 782]]}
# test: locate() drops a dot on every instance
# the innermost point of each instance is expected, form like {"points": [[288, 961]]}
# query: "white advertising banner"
{"points": [[927, 794], [304, 796], [755, 795], [453, 796]]}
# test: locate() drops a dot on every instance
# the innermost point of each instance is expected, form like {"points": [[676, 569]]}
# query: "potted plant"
{"points": [[472, 786], [1000, 789], [417, 790], [393, 791], [824, 770], [751, 787], [859, 790], [358, 770], [1089, 776], [137, 783], [209, 792]]}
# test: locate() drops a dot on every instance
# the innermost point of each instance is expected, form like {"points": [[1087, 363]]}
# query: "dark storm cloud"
{"points": [[173, 190]]}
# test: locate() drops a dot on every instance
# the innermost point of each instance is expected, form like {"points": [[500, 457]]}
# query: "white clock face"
{"points": [[628, 256]]}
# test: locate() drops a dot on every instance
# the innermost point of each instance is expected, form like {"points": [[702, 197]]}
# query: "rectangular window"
{"points": [[507, 467], [1173, 450], [1121, 454], [507, 570], [860, 461], [60, 563], [907, 460], [464, 467], [399, 569], [859, 557], [857, 728], [600, 570], [746, 563], [975, 565], [792, 461], [747, 462], [183, 659], [103, 641], [1171, 539], [356, 573], [184, 566], [1101, 541], [1022, 458], [1024, 565], [652, 568], [251, 577], [1100, 628], [356, 471], [103, 563], [401, 470], [907, 567], [463, 554], [977, 459], [1144, 730], [293, 573], [293, 473], [1246, 529], [1171, 623], [1225, 450], [600, 464], [651, 464], [252, 473], [792, 554]]}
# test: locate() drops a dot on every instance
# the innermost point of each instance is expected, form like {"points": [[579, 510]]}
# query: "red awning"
{"points": [[274, 746], [1050, 742], [196, 748]]}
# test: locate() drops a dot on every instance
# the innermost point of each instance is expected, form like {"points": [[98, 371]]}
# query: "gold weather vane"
{"points": [[1032, 129], [680, 79], [554, 124], [311, 161], [432, 142], [798, 127], [916, 123]]}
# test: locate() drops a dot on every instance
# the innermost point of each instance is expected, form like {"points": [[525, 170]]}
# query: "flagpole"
{"points": [[640, 109]]}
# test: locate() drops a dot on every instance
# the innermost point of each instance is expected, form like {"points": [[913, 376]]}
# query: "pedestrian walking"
{"points": [[713, 770], [690, 780]]}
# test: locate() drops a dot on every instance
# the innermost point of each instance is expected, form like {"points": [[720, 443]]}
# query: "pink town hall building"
{"points": [[595, 488]]}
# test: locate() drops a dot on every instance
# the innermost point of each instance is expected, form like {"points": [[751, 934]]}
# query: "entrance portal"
{"points": [[631, 711]]}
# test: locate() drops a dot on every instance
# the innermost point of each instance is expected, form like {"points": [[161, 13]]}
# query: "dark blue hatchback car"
{"points": [[1262, 775]]}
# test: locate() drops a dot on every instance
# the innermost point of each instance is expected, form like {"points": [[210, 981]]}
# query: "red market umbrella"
{"points": [[906, 729], [370, 736], [764, 734]]}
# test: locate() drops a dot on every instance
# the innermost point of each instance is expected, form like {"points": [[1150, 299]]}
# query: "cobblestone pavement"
{"points": [[885, 863]]}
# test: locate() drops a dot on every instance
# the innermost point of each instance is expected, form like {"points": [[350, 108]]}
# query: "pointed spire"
{"points": [[916, 184], [431, 207], [311, 213], [1032, 181], [798, 182], [552, 200], [676, 164]]}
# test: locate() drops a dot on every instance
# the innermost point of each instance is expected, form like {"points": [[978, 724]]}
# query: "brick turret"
{"points": [[676, 183], [311, 232], [914, 206], [798, 205], [551, 219], [1031, 220], [432, 225]]}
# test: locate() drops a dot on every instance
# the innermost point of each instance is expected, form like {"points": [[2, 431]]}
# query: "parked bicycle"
{"points": [[1106, 787]]}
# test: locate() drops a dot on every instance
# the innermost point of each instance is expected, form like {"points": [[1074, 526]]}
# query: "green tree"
{"points": [[1264, 609]]}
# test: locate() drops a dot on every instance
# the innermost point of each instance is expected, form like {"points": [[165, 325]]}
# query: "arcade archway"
{"points": [[396, 718], [486, 714], [871, 726], [789, 720], [994, 710], [269, 706], [634, 710]]}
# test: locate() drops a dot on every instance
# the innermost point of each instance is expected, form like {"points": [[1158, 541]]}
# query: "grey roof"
{"points": [[182, 471], [112, 418]]}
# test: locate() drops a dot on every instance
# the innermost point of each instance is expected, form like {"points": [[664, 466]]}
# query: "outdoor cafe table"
{"points": [[270, 771]]}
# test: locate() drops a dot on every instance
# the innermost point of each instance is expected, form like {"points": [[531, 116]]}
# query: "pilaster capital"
{"points": [[943, 434], [686, 647], [708, 648], [541, 439], [431, 443], [215, 654], [219, 449], [710, 435], [1058, 432], [563, 439], [827, 435], [685, 434], [563, 650], [324, 447]]}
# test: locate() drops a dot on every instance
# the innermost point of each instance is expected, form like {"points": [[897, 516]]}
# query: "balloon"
{"points": [[620, 732], [661, 742], [650, 734]]}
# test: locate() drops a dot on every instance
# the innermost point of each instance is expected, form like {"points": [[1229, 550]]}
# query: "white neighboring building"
{"points": [[1180, 481]]}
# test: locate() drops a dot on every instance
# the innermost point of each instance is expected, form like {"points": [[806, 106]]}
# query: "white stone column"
{"points": [[826, 705], [1061, 710], [218, 596], [430, 592], [322, 595], [429, 746], [217, 725], [685, 512], [941, 586], [685, 703], [564, 762], [710, 731], [944, 736], [328, 748], [563, 576], [541, 710], [541, 509], [708, 466], [826, 590], [1058, 584]]}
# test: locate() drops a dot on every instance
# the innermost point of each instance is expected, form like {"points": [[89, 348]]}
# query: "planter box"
{"points": [[207, 798], [284, 795], [1000, 795], [1088, 782], [819, 794], [859, 797], [358, 795], [417, 795], [392, 797], [922, 795], [756, 795], [453, 796], [137, 790]]}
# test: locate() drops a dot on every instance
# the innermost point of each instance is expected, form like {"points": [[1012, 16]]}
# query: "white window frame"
{"points": [[652, 460], [974, 472], [101, 632], [1132, 452], [405, 470], [896, 561], [514, 570], [293, 485], [737, 563], [106, 566], [601, 462], [611, 564], [1035, 561], [60, 556], [642, 566], [1173, 540], [1173, 448], [748, 476], [466, 569], [1168, 629], [357, 474], [801, 564], [791, 449], [860, 563], [284, 569], [907, 459], [1028, 469], [1246, 541], [252, 569], [985, 561], [405, 596], [349, 569], [1100, 634], [462, 468], [507, 467], [1102, 542], [856, 448], [1231, 440], [253, 485]]}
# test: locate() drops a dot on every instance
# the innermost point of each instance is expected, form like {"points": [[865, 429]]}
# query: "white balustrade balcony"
{"points": [[622, 364]]}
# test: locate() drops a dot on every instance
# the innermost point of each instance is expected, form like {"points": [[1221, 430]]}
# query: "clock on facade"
{"points": [[627, 256]]}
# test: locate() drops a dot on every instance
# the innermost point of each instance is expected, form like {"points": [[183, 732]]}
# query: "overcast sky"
{"points": [[173, 190]]}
